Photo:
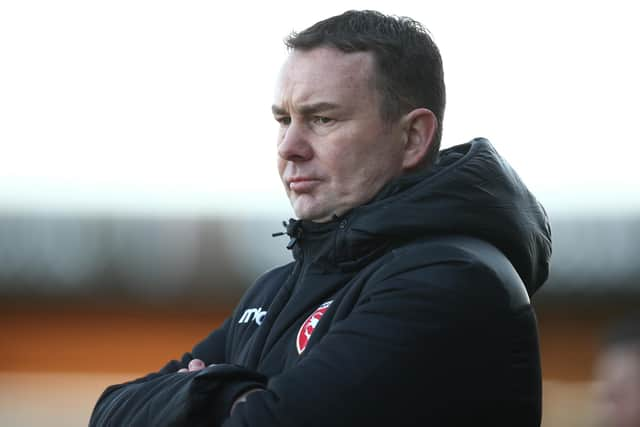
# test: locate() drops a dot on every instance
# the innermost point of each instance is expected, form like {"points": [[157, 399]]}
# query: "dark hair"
{"points": [[409, 71]]}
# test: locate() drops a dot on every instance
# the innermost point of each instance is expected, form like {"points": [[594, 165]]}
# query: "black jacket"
{"points": [[411, 310]]}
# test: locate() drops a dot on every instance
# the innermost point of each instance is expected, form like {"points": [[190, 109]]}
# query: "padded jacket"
{"points": [[411, 310]]}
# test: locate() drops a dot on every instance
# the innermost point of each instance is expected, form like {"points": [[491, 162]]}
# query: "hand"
{"points": [[194, 366], [197, 365]]}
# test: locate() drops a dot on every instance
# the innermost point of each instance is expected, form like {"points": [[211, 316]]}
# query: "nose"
{"points": [[294, 145]]}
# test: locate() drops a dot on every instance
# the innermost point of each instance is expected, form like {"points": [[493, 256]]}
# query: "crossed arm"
{"points": [[196, 365], [401, 357]]}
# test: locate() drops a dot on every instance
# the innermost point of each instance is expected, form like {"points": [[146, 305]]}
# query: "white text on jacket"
{"points": [[255, 314]]}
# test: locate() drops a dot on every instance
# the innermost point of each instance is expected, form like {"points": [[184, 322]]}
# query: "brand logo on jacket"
{"points": [[309, 325], [253, 314]]}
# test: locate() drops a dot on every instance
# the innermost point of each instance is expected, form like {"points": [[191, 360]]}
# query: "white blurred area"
{"points": [[69, 408], [163, 108], [137, 143]]}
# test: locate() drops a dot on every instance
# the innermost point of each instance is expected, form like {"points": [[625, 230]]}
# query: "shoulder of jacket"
{"points": [[464, 260], [450, 248]]}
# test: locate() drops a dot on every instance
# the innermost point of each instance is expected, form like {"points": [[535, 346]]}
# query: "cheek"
{"points": [[341, 166], [366, 161], [281, 164], [377, 163]]}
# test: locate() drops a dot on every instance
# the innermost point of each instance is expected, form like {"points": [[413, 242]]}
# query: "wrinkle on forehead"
{"points": [[325, 75]]}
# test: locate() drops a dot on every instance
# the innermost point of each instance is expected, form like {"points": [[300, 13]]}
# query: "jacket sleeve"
{"points": [[168, 398], [411, 352]]}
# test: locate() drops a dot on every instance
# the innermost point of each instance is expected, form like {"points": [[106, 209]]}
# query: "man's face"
{"points": [[335, 150]]}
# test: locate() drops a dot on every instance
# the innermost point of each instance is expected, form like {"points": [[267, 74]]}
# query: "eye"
{"points": [[323, 120], [283, 120]]}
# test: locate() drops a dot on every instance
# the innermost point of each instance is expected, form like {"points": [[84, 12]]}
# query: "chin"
{"points": [[303, 208], [308, 209], [312, 215], [307, 216]]}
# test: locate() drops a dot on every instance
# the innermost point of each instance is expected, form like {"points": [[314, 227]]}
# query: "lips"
{"points": [[302, 184]]}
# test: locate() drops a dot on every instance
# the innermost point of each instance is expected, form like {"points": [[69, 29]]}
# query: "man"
{"points": [[617, 375], [407, 302]]}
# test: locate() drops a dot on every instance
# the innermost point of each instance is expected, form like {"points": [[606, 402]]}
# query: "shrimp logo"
{"points": [[309, 325]]}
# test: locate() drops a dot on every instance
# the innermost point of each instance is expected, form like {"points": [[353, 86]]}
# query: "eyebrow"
{"points": [[307, 109]]}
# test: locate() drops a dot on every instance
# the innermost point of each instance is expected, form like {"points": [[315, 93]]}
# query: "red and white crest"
{"points": [[309, 325]]}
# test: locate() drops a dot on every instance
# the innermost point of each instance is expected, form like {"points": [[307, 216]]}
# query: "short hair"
{"points": [[409, 71]]}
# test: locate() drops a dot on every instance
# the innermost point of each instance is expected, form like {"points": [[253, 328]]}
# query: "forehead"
{"points": [[326, 74]]}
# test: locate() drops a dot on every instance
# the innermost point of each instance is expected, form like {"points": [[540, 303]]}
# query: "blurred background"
{"points": [[138, 189]]}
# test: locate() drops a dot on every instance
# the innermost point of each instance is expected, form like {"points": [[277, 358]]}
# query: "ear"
{"points": [[419, 130]]}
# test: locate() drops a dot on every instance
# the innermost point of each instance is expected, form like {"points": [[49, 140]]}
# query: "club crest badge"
{"points": [[309, 325]]}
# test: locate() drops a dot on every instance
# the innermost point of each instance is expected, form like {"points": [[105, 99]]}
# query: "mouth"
{"points": [[302, 184]]}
